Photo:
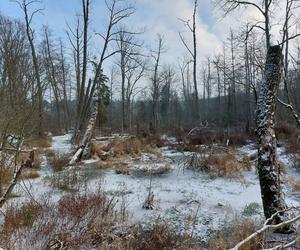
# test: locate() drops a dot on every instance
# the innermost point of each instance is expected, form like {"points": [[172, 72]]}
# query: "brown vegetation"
{"points": [[76, 221], [104, 164], [294, 183], [158, 170], [39, 142], [217, 163], [122, 170], [160, 236], [285, 130], [208, 136], [30, 173], [58, 161], [35, 154], [67, 180], [235, 233], [5, 176]]}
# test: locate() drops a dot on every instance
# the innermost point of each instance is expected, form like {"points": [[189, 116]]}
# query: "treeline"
{"points": [[50, 84]]}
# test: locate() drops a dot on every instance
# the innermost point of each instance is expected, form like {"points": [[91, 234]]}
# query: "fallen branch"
{"points": [[11, 186], [269, 227], [287, 245], [17, 173], [16, 150]]}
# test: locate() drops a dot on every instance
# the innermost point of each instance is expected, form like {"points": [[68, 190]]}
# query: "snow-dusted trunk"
{"points": [[269, 176], [88, 133]]}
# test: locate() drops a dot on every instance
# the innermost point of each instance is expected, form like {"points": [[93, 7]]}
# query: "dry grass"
{"points": [[294, 183], [5, 176], [96, 150], [58, 161], [235, 233], [128, 146], [23, 156], [122, 170], [30, 174], [217, 163], [49, 153], [159, 170], [225, 165], [159, 236], [104, 164]]}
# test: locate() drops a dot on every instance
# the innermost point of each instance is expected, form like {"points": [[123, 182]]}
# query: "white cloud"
{"points": [[163, 17]]}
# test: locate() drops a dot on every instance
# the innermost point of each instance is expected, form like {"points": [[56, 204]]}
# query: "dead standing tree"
{"points": [[118, 11], [193, 53], [156, 80], [268, 171]]}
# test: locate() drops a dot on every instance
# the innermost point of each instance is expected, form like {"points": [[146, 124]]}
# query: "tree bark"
{"points": [[268, 171], [88, 133]]}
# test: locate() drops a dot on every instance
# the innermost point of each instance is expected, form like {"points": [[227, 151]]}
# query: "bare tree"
{"points": [[156, 79], [129, 61], [193, 53], [263, 7], [24, 5], [118, 10]]}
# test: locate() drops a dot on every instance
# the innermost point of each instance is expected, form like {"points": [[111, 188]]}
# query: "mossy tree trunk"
{"points": [[268, 171]]}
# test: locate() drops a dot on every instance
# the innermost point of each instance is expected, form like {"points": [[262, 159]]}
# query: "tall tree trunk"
{"points": [[269, 175], [36, 66]]}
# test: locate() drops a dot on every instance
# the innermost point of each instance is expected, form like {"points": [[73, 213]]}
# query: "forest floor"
{"points": [[192, 201]]}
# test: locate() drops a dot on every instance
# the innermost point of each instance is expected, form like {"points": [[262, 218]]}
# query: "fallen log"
{"points": [[87, 135]]}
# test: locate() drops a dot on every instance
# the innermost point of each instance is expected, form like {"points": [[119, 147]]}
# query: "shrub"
{"points": [[58, 161], [49, 153], [69, 181], [207, 136], [285, 130], [25, 156], [24, 216], [39, 142], [293, 145], [81, 221]]}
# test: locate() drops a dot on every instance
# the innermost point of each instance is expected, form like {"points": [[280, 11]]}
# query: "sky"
{"points": [[156, 16]]}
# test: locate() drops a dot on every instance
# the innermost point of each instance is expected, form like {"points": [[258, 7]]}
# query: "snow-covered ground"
{"points": [[190, 200]]}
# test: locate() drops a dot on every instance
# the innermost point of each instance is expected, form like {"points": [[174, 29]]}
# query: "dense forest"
{"points": [[110, 138]]}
